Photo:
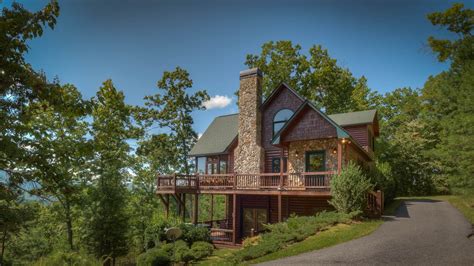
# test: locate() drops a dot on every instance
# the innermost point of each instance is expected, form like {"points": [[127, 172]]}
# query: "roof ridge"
{"points": [[226, 115]]}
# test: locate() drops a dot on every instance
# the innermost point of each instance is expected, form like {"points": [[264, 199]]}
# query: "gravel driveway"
{"points": [[423, 232]]}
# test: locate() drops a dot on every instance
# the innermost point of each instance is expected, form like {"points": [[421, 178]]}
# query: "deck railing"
{"points": [[263, 181]]}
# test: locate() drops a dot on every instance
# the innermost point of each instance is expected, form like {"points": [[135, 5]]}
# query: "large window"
{"points": [[280, 119]]}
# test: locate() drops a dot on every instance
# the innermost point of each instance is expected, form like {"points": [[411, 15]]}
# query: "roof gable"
{"points": [[339, 131], [277, 90], [218, 136]]}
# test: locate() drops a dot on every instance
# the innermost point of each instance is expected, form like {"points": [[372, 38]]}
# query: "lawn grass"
{"points": [[333, 236]]}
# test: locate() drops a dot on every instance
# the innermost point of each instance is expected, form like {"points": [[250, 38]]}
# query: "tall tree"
{"points": [[318, 77], [172, 109], [58, 151], [20, 84], [111, 128], [448, 97]]}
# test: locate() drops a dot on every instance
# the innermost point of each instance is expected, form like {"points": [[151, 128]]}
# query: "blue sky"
{"points": [[133, 42]]}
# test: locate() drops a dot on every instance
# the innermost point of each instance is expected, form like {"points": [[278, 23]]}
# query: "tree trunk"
{"points": [[4, 240], [69, 226]]}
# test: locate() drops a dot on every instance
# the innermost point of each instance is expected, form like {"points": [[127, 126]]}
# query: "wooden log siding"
{"points": [[309, 125], [284, 99], [360, 133]]}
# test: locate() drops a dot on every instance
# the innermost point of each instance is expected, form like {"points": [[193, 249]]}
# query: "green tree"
{"points": [[20, 85], [156, 154], [111, 128], [448, 97], [172, 109], [317, 77], [59, 150]]}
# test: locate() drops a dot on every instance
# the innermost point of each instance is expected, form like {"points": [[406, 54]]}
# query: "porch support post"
{"points": [[195, 208], [279, 208], [184, 207], [234, 218], [281, 167], [339, 156], [211, 211], [167, 206]]}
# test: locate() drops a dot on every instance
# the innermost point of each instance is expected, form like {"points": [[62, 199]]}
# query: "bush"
{"points": [[192, 233], [68, 258], [382, 178], [155, 234], [251, 241], [293, 230], [201, 249], [349, 190], [154, 257], [182, 253]]}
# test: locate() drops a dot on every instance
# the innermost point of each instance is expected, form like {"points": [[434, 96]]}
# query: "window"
{"points": [[276, 165], [315, 161], [280, 119], [201, 165], [212, 165], [223, 167]]}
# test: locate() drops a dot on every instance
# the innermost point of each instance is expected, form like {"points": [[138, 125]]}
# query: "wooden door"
{"points": [[253, 218]]}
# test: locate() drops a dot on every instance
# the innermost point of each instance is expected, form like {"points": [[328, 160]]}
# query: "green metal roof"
{"points": [[224, 129], [354, 118], [218, 136]]}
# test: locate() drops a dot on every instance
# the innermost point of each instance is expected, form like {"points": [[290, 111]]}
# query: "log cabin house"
{"points": [[272, 159]]}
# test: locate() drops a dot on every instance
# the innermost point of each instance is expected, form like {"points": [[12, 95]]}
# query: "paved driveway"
{"points": [[421, 233]]}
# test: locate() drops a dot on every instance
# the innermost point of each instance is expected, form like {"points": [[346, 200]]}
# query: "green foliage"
{"points": [[154, 257], [156, 233], [201, 249], [172, 110], [382, 178], [295, 229], [108, 224], [68, 258], [317, 77], [349, 190], [192, 233]]}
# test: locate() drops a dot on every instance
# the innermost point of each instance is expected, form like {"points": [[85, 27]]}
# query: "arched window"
{"points": [[280, 119]]}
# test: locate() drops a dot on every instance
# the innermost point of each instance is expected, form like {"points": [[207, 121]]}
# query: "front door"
{"points": [[253, 218]]}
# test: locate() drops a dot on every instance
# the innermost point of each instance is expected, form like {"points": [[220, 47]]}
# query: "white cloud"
{"points": [[217, 101]]}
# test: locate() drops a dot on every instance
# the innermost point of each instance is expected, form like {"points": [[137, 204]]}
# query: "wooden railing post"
{"points": [[174, 181], [234, 176]]}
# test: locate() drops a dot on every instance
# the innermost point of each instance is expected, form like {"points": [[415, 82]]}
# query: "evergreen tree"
{"points": [[111, 127], [172, 109]]}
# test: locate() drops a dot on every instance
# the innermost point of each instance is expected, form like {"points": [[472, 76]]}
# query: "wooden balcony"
{"points": [[307, 183]]}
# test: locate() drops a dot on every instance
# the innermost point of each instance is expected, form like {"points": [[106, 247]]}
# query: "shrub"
{"points": [[201, 249], [68, 258], [192, 233], [156, 233], [382, 178], [182, 253], [349, 190], [251, 241], [293, 230], [153, 257]]}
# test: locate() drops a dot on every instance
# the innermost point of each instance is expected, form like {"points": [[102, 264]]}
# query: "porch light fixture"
{"points": [[344, 141], [334, 151]]}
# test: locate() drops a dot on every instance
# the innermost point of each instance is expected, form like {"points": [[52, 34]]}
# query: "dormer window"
{"points": [[280, 118]]}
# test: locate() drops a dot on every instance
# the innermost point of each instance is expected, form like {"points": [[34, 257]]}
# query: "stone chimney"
{"points": [[249, 154]]}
